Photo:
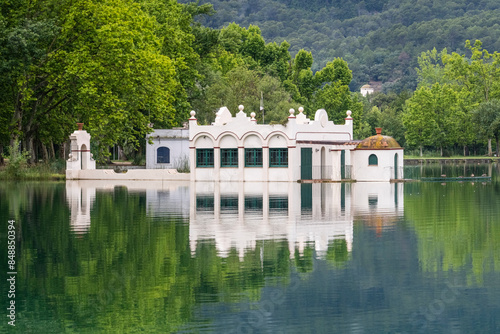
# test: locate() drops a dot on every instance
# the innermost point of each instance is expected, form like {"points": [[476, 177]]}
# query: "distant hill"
{"points": [[380, 39]]}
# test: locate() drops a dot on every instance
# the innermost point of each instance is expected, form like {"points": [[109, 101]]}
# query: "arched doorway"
{"points": [[84, 156]]}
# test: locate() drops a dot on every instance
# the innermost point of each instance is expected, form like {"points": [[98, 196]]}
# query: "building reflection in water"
{"points": [[80, 200], [237, 215]]}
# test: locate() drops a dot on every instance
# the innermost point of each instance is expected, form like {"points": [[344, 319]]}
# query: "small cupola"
{"points": [[378, 142]]}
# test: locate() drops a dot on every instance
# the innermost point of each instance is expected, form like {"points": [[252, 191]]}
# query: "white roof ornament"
{"points": [[321, 117], [223, 116], [241, 114], [301, 117]]}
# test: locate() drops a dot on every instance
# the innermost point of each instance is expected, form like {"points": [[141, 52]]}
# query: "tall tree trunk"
{"points": [[52, 152], [490, 152], [441, 151], [121, 154], [31, 150], [421, 154], [498, 149], [45, 152], [1, 155], [62, 150]]}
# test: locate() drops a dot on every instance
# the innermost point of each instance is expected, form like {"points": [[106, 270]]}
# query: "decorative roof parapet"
{"points": [[301, 117]]}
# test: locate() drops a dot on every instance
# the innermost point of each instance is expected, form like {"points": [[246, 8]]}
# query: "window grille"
{"points": [[204, 157]]}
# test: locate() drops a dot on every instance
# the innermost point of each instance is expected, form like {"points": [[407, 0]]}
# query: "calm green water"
{"points": [[103, 257]]}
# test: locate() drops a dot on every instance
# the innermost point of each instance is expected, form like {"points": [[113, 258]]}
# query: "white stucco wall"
{"points": [[383, 171], [176, 140]]}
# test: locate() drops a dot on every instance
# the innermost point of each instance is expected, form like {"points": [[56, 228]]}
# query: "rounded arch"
{"points": [[204, 140], [373, 160], [227, 140], [253, 140], [84, 156], [277, 139]]}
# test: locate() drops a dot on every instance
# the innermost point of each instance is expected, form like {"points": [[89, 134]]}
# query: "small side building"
{"points": [[169, 149], [80, 158], [378, 158]]}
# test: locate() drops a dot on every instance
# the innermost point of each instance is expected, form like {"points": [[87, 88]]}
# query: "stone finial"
{"points": [[241, 107], [348, 112], [252, 114], [193, 114], [301, 110], [292, 112], [80, 126]]}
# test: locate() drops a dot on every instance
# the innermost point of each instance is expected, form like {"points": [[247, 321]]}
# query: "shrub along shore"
{"points": [[37, 172]]}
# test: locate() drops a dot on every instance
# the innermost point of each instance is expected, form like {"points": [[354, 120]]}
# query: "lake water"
{"points": [[153, 257]]}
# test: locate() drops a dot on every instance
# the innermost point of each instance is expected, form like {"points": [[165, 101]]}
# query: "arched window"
{"points": [[163, 155], [372, 160]]}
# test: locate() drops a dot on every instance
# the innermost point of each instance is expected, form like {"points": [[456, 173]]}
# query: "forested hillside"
{"points": [[380, 39]]}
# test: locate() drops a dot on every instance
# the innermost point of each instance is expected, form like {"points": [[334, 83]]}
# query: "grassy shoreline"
{"points": [[50, 171], [452, 159], [33, 176]]}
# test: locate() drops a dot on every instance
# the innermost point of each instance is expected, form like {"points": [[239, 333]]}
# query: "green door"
{"points": [[396, 166], [306, 163], [342, 165]]}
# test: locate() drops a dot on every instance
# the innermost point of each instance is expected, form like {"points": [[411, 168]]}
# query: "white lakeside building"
{"points": [[239, 149]]}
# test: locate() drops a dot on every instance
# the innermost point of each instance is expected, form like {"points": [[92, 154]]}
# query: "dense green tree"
{"points": [[487, 120], [246, 87], [386, 111], [479, 74], [246, 69], [430, 117], [430, 68], [474, 80], [332, 92], [104, 64]]}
